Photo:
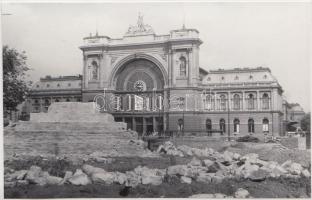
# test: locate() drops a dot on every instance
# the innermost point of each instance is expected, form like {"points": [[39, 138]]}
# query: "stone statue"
{"points": [[140, 28]]}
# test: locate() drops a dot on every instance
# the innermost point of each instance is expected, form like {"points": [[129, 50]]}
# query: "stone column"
{"points": [[172, 68], [144, 125], [243, 99], [41, 102], [258, 100], [195, 67], [190, 65], [215, 100], [229, 99], [133, 124], [102, 59], [154, 124], [169, 67], [85, 72]]}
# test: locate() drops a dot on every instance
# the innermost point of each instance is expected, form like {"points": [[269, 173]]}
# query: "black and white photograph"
{"points": [[168, 99]]}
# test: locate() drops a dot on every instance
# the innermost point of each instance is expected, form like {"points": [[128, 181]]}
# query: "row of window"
{"points": [[251, 102], [48, 101], [236, 125], [58, 85], [237, 78]]}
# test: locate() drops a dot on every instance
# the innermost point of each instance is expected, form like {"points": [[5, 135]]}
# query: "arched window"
{"points": [[36, 101], [265, 125], [208, 102], [222, 102], [265, 101], [250, 102], [182, 66], [222, 126], [47, 102], [57, 100], [208, 124], [236, 125], [236, 102], [251, 126], [180, 124], [68, 100]]}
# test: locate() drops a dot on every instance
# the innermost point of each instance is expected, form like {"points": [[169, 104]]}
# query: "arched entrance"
{"points": [[139, 92]]}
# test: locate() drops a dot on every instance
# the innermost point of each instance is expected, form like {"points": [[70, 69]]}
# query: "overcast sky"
{"points": [[274, 35]]}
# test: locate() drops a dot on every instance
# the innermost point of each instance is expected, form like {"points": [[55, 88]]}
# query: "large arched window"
{"points": [[222, 126], [236, 102], [222, 102], [208, 124], [250, 102], [265, 101], [265, 125], [251, 126], [236, 125], [208, 102], [182, 66]]}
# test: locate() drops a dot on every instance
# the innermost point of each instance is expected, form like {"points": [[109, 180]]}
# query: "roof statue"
{"points": [[140, 28]]}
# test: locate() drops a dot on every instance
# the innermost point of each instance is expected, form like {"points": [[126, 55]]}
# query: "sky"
{"points": [[274, 35]]}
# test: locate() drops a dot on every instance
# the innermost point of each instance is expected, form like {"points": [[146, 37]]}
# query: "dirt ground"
{"points": [[271, 188]]}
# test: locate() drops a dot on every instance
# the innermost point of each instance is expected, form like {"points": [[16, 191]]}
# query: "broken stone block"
{"points": [[295, 169], [120, 178], [103, 177], [259, 175], [89, 170], [79, 179], [241, 193], [204, 178], [185, 179], [306, 173], [68, 175]]}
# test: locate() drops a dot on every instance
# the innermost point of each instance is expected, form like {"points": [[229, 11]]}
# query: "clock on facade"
{"points": [[140, 86]]}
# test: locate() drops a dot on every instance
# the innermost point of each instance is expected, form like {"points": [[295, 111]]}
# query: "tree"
{"points": [[15, 85], [305, 122]]}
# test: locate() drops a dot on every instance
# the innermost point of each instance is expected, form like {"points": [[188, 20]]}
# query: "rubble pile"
{"points": [[207, 166], [240, 193]]}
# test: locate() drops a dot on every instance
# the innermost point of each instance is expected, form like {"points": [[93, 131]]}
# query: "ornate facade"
{"points": [[53, 89], [154, 83]]}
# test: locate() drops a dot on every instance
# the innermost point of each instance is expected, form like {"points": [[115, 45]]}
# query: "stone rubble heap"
{"points": [[214, 168], [240, 193]]}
